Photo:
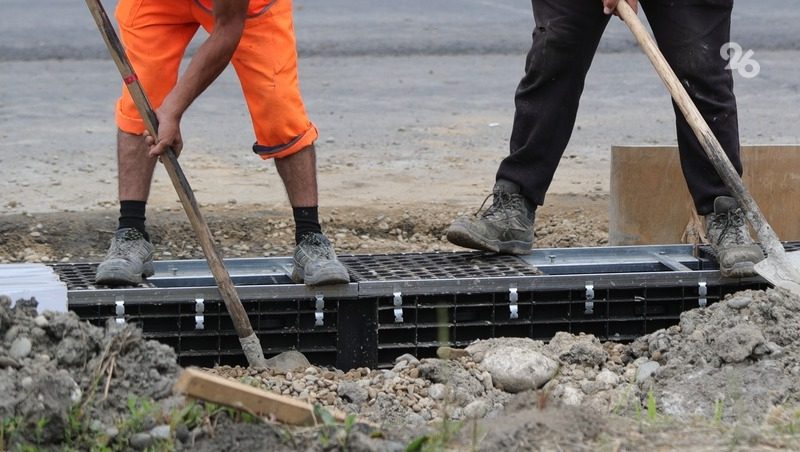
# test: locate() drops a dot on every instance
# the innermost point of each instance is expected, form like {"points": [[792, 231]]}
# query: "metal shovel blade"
{"points": [[782, 270]]}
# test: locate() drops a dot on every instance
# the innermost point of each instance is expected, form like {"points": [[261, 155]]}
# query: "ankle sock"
{"points": [[132, 215], [306, 220]]}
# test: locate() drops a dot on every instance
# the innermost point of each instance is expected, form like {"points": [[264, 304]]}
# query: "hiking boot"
{"points": [[129, 258], [730, 239], [505, 227], [315, 262]]}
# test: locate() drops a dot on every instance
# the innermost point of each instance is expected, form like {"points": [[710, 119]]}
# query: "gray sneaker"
{"points": [[505, 227], [730, 239], [129, 258], [315, 262]]}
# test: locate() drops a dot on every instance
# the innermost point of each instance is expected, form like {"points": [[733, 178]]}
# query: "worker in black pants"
{"points": [[690, 34]]}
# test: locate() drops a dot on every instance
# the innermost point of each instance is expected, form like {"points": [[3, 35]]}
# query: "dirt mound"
{"points": [[724, 377], [59, 373], [736, 359]]}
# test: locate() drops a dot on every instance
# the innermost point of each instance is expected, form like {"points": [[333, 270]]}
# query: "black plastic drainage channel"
{"points": [[411, 303]]}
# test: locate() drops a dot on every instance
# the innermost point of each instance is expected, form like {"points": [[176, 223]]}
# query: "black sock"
{"points": [[131, 215], [306, 220]]}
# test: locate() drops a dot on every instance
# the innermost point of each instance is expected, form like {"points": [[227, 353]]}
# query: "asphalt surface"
{"points": [[395, 88], [63, 29]]}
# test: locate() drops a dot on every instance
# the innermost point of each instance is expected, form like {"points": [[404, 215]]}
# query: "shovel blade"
{"points": [[782, 271]]}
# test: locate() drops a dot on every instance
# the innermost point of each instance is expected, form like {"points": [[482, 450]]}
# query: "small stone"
{"points": [[646, 370], [41, 321], [408, 357], [289, 360], [351, 392], [111, 432], [20, 348], [182, 433], [26, 382], [476, 409], [5, 361], [437, 391], [451, 353], [738, 302], [160, 432], [413, 373], [141, 441]]}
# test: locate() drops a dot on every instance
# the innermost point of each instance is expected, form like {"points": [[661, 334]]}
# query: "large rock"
{"points": [[583, 349], [288, 361], [737, 344], [516, 364]]}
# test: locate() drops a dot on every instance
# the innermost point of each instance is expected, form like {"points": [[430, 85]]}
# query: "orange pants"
{"points": [[155, 34]]}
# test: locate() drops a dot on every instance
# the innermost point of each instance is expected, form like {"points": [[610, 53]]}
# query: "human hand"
{"points": [[610, 6], [169, 135]]}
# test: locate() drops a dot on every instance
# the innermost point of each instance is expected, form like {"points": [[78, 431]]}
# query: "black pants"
{"points": [[689, 33]]}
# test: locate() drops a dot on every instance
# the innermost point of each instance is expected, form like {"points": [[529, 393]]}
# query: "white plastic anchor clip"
{"points": [[199, 318], [513, 309], [398, 307], [120, 310], [702, 292], [319, 315], [589, 305]]}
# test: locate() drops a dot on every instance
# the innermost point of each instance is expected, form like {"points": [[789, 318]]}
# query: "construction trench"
{"points": [[411, 303]]}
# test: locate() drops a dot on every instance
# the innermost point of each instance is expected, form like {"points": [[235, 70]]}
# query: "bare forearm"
{"points": [[209, 61]]}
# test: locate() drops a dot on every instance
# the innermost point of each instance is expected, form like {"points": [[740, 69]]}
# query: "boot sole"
{"points": [[458, 235], [324, 277], [118, 277], [739, 270]]}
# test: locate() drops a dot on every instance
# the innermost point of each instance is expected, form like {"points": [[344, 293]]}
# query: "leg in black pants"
{"points": [[564, 43], [690, 33], [690, 36]]}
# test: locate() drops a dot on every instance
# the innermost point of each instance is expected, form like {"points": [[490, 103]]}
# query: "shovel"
{"points": [[247, 337], [780, 268]]}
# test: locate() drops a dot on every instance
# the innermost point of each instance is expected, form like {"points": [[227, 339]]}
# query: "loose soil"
{"points": [[725, 378]]}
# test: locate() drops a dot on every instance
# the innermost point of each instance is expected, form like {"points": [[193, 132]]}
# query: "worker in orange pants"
{"points": [[257, 37]]}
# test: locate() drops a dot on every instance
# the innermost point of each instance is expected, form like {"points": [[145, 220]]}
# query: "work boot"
{"points": [[129, 258], [315, 262], [730, 239], [505, 227]]}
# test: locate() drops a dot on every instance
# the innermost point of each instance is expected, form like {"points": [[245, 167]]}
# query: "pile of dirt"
{"points": [[60, 375], [725, 376]]}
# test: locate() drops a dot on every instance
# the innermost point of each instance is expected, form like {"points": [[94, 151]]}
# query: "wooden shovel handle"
{"points": [[250, 344], [711, 145]]}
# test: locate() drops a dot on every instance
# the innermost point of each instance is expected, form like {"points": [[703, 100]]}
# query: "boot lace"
{"points": [[126, 244], [504, 205], [317, 245], [733, 230]]}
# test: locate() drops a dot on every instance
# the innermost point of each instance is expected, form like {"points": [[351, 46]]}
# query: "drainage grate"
{"points": [[411, 303], [423, 266], [80, 276]]}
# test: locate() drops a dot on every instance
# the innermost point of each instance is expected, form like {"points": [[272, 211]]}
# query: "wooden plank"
{"points": [[650, 203], [212, 388]]}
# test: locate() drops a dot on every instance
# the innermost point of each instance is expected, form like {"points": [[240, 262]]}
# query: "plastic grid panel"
{"points": [[433, 266], [459, 319], [280, 325]]}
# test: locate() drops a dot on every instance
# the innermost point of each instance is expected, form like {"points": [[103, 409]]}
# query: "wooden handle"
{"points": [[255, 355], [707, 139]]}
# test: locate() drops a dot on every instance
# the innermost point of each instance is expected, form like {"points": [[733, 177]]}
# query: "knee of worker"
{"points": [[287, 146], [705, 78]]}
